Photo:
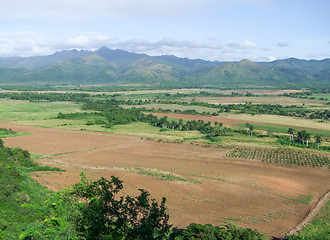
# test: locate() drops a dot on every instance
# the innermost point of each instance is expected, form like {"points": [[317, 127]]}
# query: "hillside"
{"points": [[107, 66]]}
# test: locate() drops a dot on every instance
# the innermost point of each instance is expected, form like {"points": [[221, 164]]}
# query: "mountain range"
{"points": [[106, 66]]}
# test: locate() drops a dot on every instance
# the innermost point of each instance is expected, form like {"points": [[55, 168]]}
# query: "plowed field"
{"points": [[213, 188]]}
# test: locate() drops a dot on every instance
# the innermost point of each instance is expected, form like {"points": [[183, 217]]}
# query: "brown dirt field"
{"points": [[246, 192], [212, 119]]}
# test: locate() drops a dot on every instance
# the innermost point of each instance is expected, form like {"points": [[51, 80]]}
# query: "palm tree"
{"points": [[251, 128], [291, 132], [307, 137], [318, 140], [247, 125], [301, 136]]}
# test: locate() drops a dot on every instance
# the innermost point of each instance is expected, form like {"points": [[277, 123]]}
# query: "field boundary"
{"points": [[311, 214]]}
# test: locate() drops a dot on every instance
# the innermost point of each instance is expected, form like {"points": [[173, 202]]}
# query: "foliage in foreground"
{"points": [[101, 214], [89, 210], [318, 228], [28, 210], [228, 232], [96, 210]]}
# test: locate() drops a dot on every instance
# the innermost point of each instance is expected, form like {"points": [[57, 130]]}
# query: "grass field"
{"points": [[11, 110], [284, 129]]}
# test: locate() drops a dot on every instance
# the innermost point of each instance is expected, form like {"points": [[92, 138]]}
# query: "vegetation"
{"points": [[318, 228], [282, 157], [88, 210], [117, 66], [28, 210], [97, 209]]}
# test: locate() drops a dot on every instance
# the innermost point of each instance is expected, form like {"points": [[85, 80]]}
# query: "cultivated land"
{"points": [[201, 183], [212, 188]]}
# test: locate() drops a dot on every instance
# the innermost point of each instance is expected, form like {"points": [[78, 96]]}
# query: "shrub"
{"points": [[100, 214]]}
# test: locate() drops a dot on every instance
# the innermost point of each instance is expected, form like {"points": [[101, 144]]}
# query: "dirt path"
{"points": [[310, 215]]}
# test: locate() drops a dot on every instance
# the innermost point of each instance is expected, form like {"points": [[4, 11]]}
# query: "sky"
{"points": [[222, 30]]}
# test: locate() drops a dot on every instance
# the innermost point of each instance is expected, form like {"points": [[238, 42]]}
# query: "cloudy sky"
{"points": [[224, 30]]}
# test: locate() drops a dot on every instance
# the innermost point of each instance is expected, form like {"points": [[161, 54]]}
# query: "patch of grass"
{"points": [[47, 168], [284, 128], [239, 219], [146, 130], [248, 141], [11, 110], [5, 133], [211, 178], [167, 176], [303, 199]]}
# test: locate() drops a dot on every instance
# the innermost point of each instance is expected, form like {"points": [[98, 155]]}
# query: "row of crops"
{"points": [[282, 157]]}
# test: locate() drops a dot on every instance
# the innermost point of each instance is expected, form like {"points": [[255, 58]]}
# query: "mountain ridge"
{"points": [[118, 66]]}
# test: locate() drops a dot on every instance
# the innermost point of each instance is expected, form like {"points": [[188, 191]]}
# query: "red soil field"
{"points": [[246, 192]]}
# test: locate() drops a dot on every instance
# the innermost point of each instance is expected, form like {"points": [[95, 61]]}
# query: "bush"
{"points": [[100, 214], [228, 232]]}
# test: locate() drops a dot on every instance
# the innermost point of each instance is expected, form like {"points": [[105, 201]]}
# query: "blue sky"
{"points": [[224, 30]]}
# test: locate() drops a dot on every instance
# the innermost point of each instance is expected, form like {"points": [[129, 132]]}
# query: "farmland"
{"points": [[209, 172]]}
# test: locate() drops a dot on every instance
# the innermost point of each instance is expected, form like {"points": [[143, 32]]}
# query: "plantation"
{"points": [[282, 157]]}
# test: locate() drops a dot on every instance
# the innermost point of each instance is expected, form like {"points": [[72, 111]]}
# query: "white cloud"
{"points": [[78, 42], [31, 44], [245, 45], [22, 43], [271, 58]]}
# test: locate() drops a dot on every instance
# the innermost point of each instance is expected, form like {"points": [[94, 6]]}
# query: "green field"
{"points": [[278, 128], [11, 110], [44, 114]]}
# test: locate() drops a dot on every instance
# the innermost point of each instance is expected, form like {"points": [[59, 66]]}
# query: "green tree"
{"points": [[291, 132], [318, 140], [247, 125], [251, 127], [100, 214], [307, 137]]}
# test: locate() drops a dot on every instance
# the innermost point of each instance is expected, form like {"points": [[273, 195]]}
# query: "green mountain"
{"points": [[118, 66], [288, 72]]}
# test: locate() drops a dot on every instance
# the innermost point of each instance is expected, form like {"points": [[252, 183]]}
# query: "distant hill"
{"points": [[117, 66]]}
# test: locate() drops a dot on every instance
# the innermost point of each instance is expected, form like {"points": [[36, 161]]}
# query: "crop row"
{"points": [[282, 157]]}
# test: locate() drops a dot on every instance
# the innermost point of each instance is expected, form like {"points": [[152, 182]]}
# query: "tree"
{"points": [[100, 214], [291, 132], [307, 137], [247, 125], [318, 140], [1, 144], [301, 136], [251, 127]]}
